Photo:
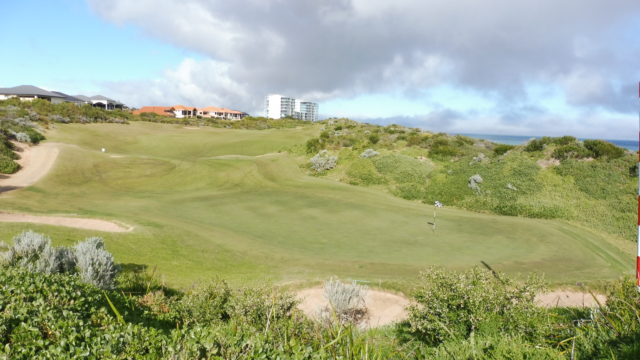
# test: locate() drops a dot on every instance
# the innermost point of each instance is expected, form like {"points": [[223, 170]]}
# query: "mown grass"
{"points": [[233, 203]]}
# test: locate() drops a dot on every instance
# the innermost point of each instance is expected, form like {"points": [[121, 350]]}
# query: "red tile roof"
{"points": [[181, 107], [159, 110]]}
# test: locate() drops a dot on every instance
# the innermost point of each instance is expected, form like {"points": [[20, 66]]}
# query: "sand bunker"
{"points": [[36, 161], [78, 223], [383, 307], [568, 298]]}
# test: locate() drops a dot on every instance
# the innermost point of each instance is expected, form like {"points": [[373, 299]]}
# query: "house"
{"points": [[85, 99], [158, 110], [104, 102], [181, 111], [29, 93], [221, 113]]}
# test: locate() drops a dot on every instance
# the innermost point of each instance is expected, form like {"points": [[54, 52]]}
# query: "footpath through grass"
{"points": [[234, 204]]}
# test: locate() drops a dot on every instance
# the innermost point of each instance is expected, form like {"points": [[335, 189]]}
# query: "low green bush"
{"points": [[501, 149], [451, 306], [361, 171], [8, 166], [402, 168], [603, 149], [571, 151]]}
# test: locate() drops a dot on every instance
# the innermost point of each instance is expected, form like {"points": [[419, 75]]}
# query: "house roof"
{"points": [[181, 107], [104, 98], [82, 97], [231, 111], [68, 97], [160, 110], [211, 109], [28, 90], [100, 97], [220, 109]]}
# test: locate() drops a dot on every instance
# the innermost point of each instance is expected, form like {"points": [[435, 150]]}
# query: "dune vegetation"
{"points": [[589, 182], [53, 309]]}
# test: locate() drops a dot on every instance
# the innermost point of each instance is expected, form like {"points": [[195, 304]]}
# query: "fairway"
{"points": [[233, 203]]}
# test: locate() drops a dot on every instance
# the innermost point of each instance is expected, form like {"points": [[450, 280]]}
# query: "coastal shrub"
{"points": [[534, 145], [30, 250], [313, 146], [206, 304], [565, 140], [452, 305], [95, 264], [8, 166], [474, 182], [374, 138], [612, 330], [363, 172], [346, 302], [502, 149], [59, 317], [369, 153], [603, 149], [402, 168], [323, 161], [571, 151], [59, 119], [34, 252], [257, 307], [22, 137]]}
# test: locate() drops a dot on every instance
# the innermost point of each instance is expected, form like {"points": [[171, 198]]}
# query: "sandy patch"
{"points": [[191, 128], [36, 161], [568, 298], [383, 307], [548, 163], [78, 223]]}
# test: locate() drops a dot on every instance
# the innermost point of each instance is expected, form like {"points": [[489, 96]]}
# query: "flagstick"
{"points": [[638, 256]]}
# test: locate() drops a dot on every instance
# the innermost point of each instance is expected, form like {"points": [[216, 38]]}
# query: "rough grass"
{"points": [[219, 202]]}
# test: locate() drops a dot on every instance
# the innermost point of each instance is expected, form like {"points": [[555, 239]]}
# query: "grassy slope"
{"points": [[210, 202]]}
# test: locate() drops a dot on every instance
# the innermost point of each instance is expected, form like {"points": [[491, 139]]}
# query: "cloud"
{"points": [[193, 82], [340, 48], [525, 121]]}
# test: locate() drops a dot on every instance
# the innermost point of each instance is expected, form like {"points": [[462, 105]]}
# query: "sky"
{"points": [[528, 67]]}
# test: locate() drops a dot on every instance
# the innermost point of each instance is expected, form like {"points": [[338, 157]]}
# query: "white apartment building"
{"points": [[306, 110], [278, 106]]}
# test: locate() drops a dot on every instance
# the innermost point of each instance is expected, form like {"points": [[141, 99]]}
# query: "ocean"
{"points": [[519, 140]]}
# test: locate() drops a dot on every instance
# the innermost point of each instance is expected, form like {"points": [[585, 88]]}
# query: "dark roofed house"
{"points": [[105, 103], [28, 93], [69, 98]]}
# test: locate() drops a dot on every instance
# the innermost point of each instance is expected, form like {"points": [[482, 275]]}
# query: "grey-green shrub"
{"points": [[346, 301], [95, 264], [60, 260], [323, 161], [474, 182], [22, 137], [369, 153], [32, 251]]}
